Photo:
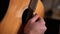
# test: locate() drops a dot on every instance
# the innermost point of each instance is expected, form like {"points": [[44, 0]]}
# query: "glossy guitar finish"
{"points": [[13, 18]]}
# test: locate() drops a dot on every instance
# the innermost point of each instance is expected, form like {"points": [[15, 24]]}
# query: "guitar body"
{"points": [[13, 18]]}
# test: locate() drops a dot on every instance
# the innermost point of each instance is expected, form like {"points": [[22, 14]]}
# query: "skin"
{"points": [[35, 27]]}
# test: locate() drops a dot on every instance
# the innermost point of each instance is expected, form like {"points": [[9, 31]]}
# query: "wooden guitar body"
{"points": [[13, 18]]}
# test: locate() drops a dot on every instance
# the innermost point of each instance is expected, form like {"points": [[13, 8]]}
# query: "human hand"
{"points": [[35, 25]]}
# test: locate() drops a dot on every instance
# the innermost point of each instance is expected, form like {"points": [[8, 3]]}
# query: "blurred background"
{"points": [[52, 14]]}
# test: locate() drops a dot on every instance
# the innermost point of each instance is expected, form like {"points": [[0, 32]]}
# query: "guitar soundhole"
{"points": [[27, 14]]}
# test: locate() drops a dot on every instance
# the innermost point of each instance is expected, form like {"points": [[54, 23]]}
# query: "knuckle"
{"points": [[45, 28]]}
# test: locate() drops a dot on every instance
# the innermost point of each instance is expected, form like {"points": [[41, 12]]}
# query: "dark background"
{"points": [[3, 8], [52, 24]]}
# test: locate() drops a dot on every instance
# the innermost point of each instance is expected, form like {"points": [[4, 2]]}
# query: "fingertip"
{"points": [[35, 18], [42, 21]]}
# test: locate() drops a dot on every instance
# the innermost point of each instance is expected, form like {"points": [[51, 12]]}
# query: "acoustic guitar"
{"points": [[18, 13]]}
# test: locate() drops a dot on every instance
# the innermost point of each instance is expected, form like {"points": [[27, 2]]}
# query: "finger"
{"points": [[42, 21], [40, 25], [32, 20]]}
